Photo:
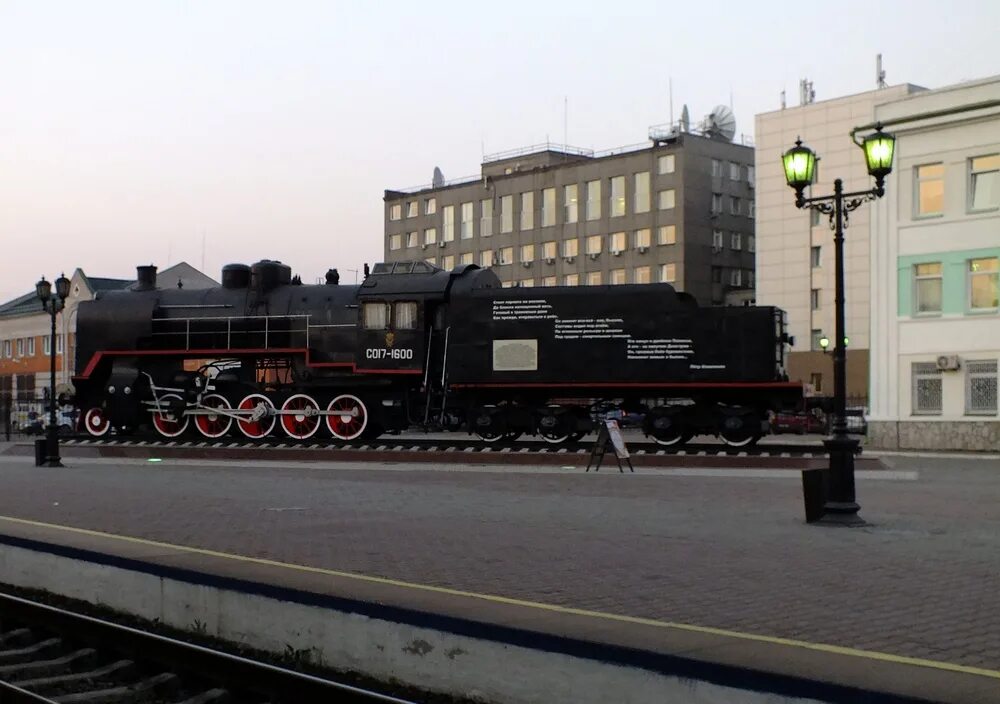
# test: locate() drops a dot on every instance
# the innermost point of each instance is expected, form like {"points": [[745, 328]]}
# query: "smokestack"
{"points": [[145, 277]]}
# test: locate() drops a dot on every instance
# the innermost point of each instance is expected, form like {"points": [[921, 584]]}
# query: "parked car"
{"points": [[802, 423]]}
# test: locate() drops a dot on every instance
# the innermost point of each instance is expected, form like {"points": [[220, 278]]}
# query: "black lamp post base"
{"points": [[841, 514], [840, 507]]}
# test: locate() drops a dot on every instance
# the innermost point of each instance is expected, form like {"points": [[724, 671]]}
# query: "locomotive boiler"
{"points": [[415, 345]]}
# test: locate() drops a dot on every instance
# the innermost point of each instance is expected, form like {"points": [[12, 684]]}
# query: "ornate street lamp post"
{"points": [[841, 506], [52, 302]]}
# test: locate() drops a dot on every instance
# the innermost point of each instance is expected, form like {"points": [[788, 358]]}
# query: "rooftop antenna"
{"points": [[782, 98], [807, 95], [203, 250], [565, 119], [670, 90], [685, 119], [879, 73], [437, 180]]}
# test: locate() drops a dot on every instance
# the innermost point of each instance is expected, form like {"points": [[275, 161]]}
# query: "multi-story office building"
{"points": [[935, 262], [678, 210], [795, 252]]}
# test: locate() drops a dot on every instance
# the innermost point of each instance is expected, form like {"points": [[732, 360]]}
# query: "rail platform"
{"points": [[540, 584]]}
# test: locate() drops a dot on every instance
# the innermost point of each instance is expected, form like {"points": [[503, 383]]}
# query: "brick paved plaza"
{"points": [[730, 552]]}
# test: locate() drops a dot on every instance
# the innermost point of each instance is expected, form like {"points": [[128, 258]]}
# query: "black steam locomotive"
{"points": [[415, 345]]}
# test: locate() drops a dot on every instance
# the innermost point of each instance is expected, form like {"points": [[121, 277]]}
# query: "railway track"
{"points": [[49, 654]]}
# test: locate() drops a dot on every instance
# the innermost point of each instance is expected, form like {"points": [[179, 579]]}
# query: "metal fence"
{"points": [[26, 414]]}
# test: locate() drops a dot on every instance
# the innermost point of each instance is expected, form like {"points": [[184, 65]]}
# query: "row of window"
{"points": [[735, 241], [980, 388], [617, 242], [401, 315], [734, 170], [735, 206], [982, 293], [25, 347], [982, 184]]}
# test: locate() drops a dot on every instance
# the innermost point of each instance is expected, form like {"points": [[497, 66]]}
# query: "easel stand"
{"points": [[609, 437]]}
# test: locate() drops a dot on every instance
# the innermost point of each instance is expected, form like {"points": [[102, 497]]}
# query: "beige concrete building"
{"points": [[795, 251]]}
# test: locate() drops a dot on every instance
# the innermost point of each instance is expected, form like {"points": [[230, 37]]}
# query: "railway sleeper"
{"points": [[163, 684], [116, 671], [54, 666], [29, 652], [18, 635]]}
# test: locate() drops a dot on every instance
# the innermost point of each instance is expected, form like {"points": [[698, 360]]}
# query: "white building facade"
{"points": [[935, 263]]}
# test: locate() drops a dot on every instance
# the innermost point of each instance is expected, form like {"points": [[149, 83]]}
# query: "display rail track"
{"points": [[50, 654]]}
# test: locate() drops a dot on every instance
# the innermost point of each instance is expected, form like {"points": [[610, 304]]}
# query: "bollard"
{"points": [[41, 451], [814, 492]]}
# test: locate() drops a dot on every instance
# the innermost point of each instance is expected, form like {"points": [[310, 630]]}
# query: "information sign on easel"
{"points": [[609, 436]]}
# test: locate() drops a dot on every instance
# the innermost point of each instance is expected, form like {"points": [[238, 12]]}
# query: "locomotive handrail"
{"points": [[266, 329]]}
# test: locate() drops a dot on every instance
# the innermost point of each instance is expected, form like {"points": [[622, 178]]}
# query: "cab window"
{"points": [[406, 315], [375, 316]]}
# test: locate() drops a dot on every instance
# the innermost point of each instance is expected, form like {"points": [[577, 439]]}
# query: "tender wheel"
{"points": [[348, 417], [739, 431], [552, 429], [263, 419], [95, 422], [485, 424], [166, 419], [300, 418], [214, 425], [667, 430]]}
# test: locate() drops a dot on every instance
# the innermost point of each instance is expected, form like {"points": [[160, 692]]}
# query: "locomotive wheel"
{"points": [[739, 431], [301, 418], [95, 422], [165, 420], [214, 425], [488, 431], [348, 418], [551, 428], [256, 429], [667, 428]]}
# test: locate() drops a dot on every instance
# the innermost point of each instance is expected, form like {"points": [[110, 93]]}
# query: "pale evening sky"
{"points": [[131, 130]]}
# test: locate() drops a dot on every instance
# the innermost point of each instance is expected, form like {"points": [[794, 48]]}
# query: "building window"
{"points": [[667, 199], [549, 281], [448, 262], [617, 204], [666, 234], [641, 275], [593, 278], [506, 255], [7, 349], [641, 197], [642, 238], [752, 175], [527, 253], [465, 259], [47, 346], [571, 247], [737, 241], [430, 206], [668, 273], [814, 299], [983, 284], [412, 239], [816, 381], [570, 202], [751, 208], [448, 222], [486, 221], [467, 221], [751, 243], [734, 205], [814, 337], [430, 235], [59, 344], [616, 242], [814, 256], [548, 207], [814, 218], [927, 288], [717, 240], [486, 258], [716, 203], [617, 277], [549, 250], [926, 388], [396, 211], [593, 200], [929, 184], [734, 171], [984, 182], [716, 168], [526, 283], [665, 164], [594, 244], [506, 214], [716, 274], [981, 387], [395, 242], [411, 209], [507, 284], [750, 277], [736, 277], [433, 261], [571, 280], [527, 210]]}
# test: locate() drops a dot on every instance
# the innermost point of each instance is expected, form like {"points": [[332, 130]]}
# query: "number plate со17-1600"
{"points": [[385, 353]]}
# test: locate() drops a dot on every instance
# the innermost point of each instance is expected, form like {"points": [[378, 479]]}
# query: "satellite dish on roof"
{"points": [[437, 180], [685, 119], [720, 123]]}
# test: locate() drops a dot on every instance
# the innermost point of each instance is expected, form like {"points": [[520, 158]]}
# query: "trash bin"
{"points": [[814, 492], [41, 451]]}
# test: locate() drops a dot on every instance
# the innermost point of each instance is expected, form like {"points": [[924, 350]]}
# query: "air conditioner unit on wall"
{"points": [[643, 250], [948, 362], [616, 252], [442, 243], [551, 260], [569, 260], [594, 255]]}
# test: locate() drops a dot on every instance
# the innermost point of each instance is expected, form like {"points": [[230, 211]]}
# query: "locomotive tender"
{"points": [[414, 345]]}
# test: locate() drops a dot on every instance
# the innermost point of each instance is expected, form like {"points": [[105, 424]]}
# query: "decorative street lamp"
{"points": [[799, 162], [52, 302]]}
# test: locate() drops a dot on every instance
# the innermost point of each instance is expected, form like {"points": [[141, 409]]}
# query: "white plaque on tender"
{"points": [[515, 355]]}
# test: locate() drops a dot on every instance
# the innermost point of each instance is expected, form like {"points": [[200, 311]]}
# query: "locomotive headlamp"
{"points": [[800, 167], [44, 290]]}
